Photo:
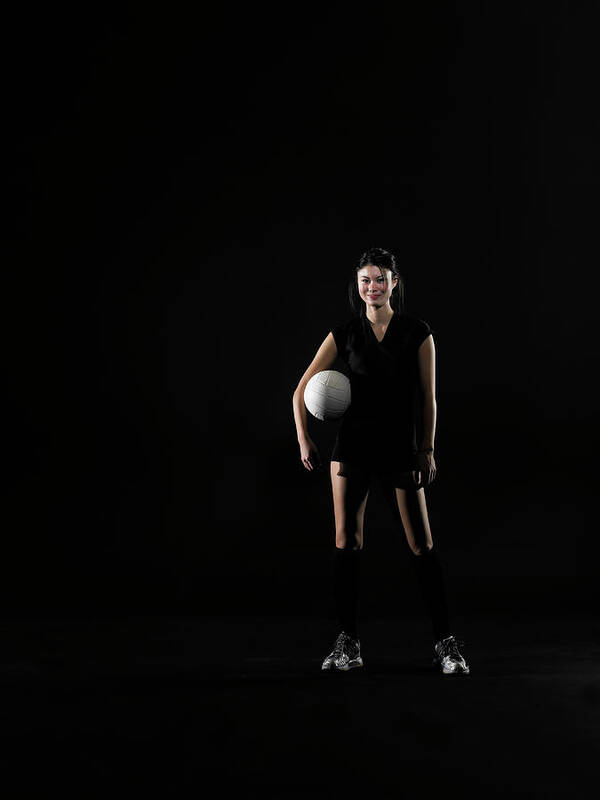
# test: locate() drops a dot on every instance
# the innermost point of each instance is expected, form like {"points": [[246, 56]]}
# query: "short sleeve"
{"points": [[421, 332], [340, 335]]}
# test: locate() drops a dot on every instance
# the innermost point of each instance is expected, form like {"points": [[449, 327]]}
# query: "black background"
{"points": [[190, 190]]}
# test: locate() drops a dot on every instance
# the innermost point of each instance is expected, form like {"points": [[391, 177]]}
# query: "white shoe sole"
{"points": [[459, 671], [358, 662]]}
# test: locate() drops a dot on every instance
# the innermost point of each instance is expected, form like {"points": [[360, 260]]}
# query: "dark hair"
{"points": [[384, 260]]}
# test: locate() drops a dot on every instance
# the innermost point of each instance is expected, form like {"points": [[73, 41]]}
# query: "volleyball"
{"points": [[327, 394]]}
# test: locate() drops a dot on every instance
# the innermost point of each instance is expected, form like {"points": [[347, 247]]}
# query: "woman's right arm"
{"points": [[324, 359]]}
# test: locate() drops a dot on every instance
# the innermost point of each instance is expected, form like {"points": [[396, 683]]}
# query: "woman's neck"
{"points": [[379, 316]]}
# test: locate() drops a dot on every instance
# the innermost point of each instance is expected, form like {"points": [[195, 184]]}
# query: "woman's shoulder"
{"points": [[346, 325], [345, 334], [413, 320], [415, 328]]}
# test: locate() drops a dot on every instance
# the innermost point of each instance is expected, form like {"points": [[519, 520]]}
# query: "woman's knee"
{"points": [[418, 549], [346, 540]]}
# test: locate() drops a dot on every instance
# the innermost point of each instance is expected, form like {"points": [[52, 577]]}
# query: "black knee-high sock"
{"points": [[430, 573], [345, 588]]}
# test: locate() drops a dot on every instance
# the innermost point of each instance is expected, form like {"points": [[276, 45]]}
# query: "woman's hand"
{"points": [[309, 454], [426, 471]]}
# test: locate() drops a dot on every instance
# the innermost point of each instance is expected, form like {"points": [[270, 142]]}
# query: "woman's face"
{"points": [[375, 285]]}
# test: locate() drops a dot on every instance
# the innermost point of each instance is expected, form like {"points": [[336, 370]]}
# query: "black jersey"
{"points": [[384, 381]]}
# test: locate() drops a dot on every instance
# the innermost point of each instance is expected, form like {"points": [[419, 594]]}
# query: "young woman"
{"points": [[391, 358]]}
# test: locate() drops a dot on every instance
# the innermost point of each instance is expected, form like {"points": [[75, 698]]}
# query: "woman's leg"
{"points": [[410, 511], [349, 502]]}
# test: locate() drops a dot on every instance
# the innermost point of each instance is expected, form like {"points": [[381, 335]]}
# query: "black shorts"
{"points": [[386, 474], [392, 464]]}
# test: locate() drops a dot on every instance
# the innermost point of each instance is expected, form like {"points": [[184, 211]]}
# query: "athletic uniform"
{"points": [[384, 381], [385, 384]]}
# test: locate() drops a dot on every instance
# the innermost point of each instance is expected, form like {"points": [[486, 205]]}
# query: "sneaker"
{"points": [[448, 657], [345, 654]]}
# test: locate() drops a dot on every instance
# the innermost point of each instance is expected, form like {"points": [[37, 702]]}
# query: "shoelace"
{"points": [[450, 648], [338, 647], [344, 643]]}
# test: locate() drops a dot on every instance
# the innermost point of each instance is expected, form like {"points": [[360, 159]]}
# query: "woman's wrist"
{"points": [[425, 450]]}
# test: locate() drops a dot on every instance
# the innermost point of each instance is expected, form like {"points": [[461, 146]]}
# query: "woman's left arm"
{"points": [[425, 460], [427, 382]]}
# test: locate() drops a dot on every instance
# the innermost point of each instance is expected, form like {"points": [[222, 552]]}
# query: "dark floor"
{"points": [[172, 706]]}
